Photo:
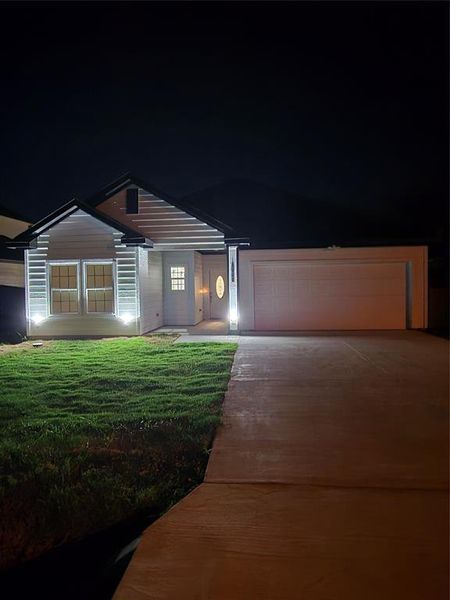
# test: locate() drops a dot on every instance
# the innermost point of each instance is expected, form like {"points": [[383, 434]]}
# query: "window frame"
{"points": [[62, 263], [172, 278], [99, 261]]}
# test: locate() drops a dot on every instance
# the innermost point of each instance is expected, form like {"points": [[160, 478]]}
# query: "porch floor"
{"points": [[206, 327]]}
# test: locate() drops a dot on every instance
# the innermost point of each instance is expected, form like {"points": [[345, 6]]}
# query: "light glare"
{"points": [[38, 319], [233, 315], [126, 318]]}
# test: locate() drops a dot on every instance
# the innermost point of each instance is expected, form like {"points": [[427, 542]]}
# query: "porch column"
{"points": [[233, 307]]}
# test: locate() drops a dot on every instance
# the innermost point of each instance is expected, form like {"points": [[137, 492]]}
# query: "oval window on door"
{"points": [[220, 287]]}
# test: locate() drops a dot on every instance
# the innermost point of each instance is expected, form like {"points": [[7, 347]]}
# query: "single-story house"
{"points": [[130, 259]]}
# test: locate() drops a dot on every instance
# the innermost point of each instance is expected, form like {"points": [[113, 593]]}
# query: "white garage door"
{"points": [[299, 295]]}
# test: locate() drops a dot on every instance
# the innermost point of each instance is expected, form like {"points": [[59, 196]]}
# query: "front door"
{"points": [[218, 294]]}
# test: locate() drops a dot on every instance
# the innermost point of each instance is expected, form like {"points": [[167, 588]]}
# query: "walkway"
{"points": [[327, 479], [209, 327]]}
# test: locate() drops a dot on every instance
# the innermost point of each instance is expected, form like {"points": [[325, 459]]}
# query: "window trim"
{"points": [[62, 263], [82, 294], [99, 261], [172, 279]]}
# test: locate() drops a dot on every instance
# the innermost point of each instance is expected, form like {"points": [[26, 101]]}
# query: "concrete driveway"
{"points": [[327, 480]]}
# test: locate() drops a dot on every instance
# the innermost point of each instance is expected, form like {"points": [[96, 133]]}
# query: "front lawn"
{"points": [[94, 432]]}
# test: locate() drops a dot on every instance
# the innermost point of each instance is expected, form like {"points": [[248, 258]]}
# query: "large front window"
{"points": [[72, 294], [99, 288], [64, 289]]}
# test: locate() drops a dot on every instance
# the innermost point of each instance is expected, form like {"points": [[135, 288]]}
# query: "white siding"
{"points": [[179, 305], [167, 226], [81, 236], [82, 326], [151, 290], [12, 273], [36, 293], [127, 282], [198, 286]]}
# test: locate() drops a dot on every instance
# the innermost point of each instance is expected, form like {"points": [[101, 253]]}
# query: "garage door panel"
{"points": [[337, 288], [374, 314], [333, 271], [302, 296]]}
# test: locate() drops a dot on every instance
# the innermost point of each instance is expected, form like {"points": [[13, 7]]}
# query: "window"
{"points": [[99, 287], [220, 287], [64, 289], [64, 285], [132, 203], [177, 278]]}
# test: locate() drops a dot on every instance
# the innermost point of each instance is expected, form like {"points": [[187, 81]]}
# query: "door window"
{"points": [[220, 287]]}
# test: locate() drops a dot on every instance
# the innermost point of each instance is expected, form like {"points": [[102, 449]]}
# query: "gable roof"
{"points": [[128, 179], [130, 236], [27, 238]]}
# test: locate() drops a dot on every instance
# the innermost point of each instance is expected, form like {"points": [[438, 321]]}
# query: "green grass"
{"points": [[94, 432]]}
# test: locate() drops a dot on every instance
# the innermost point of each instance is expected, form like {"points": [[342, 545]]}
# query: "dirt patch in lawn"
{"points": [[28, 345]]}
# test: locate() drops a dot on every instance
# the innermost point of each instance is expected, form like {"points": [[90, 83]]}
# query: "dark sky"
{"points": [[344, 104]]}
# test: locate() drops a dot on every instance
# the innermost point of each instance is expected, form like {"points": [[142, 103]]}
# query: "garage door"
{"points": [[299, 295]]}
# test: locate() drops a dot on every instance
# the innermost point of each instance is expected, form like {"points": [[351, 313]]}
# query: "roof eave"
{"points": [[136, 241], [27, 239], [237, 241], [22, 245]]}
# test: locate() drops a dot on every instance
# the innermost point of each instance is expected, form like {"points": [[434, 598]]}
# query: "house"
{"points": [[11, 223], [11, 262], [12, 279], [130, 259]]}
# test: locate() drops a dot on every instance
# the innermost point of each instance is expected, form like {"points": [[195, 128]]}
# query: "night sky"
{"points": [[335, 112]]}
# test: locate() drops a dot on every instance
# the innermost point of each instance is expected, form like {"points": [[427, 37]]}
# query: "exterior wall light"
{"points": [[37, 319], [233, 316], [126, 318]]}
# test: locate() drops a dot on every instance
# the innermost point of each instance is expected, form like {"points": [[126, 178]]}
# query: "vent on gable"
{"points": [[132, 204]]}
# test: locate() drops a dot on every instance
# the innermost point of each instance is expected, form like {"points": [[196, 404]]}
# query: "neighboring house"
{"points": [[11, 262], [130, 259], [11, 223], [12, 279]]}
